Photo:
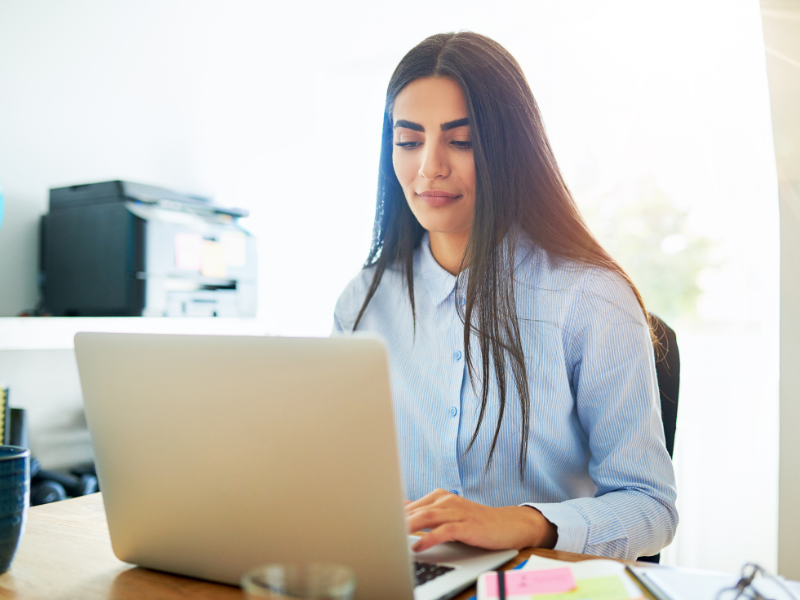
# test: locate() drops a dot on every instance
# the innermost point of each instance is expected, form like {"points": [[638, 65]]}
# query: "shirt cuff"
{"points": [[573, 530]]}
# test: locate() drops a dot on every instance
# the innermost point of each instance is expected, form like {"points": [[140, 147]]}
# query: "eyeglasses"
{"points": [[768, 587]]}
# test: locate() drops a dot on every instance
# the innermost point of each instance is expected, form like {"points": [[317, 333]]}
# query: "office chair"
{"points": [[668, 373]]}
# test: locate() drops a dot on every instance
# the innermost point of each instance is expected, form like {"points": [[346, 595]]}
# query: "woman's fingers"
{"points": [[433, 497], [428, 518], [449, 532], [434, 509], [453, 518]]}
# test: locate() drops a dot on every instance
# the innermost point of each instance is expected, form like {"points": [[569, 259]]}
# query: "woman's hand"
{"points": [[452, 518]]}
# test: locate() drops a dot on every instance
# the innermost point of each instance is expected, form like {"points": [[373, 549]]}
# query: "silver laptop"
{"points": [[216, 454]]}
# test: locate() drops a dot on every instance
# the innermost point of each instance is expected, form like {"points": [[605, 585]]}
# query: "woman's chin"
{"points": [[445, 229], [440, 222]]}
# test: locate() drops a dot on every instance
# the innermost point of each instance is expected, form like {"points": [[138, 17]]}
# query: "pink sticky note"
{"points": [[189, 251], [521, 583]]}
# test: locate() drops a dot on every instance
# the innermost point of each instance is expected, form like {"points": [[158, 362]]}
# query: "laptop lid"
{"points": [[219, 453]]}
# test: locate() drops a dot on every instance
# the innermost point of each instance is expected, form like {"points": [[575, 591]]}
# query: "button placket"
{"points": [[454, 410]]}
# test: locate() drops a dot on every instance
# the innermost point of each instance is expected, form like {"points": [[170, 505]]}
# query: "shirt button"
{"points": [[462, 301], [454, 492], [453, 411], [457, 354]]}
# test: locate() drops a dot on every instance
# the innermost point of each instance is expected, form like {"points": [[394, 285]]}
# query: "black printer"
{"points": [[118, 248]]}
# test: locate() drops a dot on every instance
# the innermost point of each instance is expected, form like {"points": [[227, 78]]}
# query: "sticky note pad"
{"points": [[189, 251], [526, 583], [214, 264], [603, 588]]}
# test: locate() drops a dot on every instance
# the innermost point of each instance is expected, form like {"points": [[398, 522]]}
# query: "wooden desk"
{"points": [[66, 553]]}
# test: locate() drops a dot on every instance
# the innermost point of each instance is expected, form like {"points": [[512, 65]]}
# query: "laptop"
{"points": [[216, 454]]}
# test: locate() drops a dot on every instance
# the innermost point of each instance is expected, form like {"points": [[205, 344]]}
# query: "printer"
{"points": [[118, 248]]}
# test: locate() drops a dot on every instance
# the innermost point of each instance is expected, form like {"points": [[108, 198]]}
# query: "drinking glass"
{"points": [[312, 581]]}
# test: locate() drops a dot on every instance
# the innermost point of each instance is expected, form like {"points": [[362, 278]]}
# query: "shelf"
{"points": [[57, 333]]}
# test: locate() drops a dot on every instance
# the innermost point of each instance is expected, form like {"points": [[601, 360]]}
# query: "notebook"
{"points": [[546, 578], [695, 584]]}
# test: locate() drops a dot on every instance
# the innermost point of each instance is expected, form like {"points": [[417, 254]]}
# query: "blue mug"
{"points": [[15, 478]]}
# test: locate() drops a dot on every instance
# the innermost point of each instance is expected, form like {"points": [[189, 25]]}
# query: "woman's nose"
{"points": [[434, 164]]}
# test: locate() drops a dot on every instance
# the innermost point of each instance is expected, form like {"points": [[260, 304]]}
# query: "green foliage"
{"points": [[653, 242]]}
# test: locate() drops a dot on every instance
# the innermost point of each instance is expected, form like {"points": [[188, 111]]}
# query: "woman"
{"points": [[522, 364]]}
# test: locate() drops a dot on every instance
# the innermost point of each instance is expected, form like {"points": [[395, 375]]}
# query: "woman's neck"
{"points": [[448, 250]]}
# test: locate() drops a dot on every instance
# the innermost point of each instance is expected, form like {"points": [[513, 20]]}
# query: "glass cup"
{"points": [[313, 581]]}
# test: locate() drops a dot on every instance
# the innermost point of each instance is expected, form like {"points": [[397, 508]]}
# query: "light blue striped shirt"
{"points": [[597, 466]]}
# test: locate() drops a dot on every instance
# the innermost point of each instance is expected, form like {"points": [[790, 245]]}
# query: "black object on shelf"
{"points": [[52, 486], [18, 427], [118, 248]]}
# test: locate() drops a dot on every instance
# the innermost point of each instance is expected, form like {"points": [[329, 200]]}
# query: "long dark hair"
{"points": [[519, 192]]}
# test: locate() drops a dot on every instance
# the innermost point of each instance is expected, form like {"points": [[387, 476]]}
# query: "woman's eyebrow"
{"points": [[409, 125], [453, 124], [417, 127]]}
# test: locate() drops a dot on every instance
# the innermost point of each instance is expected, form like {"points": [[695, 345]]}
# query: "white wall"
{"points": [[190, 95], [45, 383], [273, 106]]}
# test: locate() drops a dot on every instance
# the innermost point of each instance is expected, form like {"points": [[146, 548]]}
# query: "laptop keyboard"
{"points": [[424, 572]]}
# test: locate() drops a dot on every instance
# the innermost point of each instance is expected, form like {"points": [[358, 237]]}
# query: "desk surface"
{"points": [[66, 553]]}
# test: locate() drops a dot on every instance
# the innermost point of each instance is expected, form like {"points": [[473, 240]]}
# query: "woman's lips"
{"points": [[438, 197]]}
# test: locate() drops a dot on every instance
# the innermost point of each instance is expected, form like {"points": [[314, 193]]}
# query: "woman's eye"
{"points": [[462, 145], [407, 145]]}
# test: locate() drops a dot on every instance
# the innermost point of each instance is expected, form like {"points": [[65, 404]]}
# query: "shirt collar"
{"points": [[439, 283]]}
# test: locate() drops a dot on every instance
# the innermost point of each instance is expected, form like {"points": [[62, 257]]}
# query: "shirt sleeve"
{"points": [[610, 356], [348, 304], [342, 308], [337, 328]]}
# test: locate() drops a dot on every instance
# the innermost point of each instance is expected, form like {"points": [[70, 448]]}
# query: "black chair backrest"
{"points": [[668, 373]]}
